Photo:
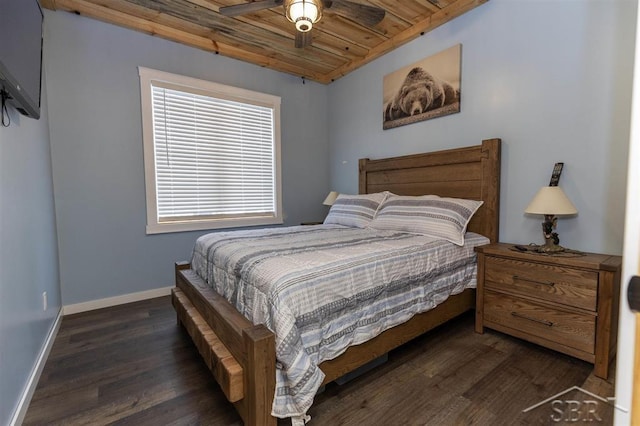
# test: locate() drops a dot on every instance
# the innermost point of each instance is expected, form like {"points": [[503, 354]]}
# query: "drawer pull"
{"points": [[547, 283], [547, 323]]}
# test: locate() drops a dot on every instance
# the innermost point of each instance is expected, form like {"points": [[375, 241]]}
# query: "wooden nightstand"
{"points": [[568, 304]]}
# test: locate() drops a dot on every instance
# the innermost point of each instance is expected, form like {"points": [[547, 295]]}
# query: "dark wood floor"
{"points": [[132, 364]]}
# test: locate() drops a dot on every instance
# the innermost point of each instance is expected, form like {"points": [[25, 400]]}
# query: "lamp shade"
{"points": [[331, 198], [551, 200]]}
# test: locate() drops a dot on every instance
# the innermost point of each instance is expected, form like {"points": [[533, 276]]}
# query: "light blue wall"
{"points": [[28, 252], [551, 78], [96, 143]]}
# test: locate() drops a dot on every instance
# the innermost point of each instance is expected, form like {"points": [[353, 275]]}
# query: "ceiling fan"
{"points": [[305, 13]]}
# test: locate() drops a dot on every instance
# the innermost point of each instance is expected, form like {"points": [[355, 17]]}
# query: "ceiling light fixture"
{"points": [[303, 13]]}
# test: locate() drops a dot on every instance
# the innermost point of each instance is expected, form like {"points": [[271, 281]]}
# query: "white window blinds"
{"points": [[215, 157]]}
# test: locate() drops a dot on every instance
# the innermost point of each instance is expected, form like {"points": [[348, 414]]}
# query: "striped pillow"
{"points": [[444, 218], [355, 210]]}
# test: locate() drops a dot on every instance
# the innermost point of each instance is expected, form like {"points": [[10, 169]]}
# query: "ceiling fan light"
{"points": [[304, 13]]}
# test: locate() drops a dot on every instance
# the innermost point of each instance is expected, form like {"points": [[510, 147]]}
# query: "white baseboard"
{"points": [[116, 300], [34, 377]]}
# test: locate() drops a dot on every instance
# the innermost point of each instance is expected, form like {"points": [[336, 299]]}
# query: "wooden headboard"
{"points": [[472, 173]]}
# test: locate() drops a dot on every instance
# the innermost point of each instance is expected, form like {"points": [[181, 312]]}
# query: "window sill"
{"points": [[164, 228]]}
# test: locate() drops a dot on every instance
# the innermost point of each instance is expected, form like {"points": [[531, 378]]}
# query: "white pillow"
{"points": [[355, 210], [439, 217]]}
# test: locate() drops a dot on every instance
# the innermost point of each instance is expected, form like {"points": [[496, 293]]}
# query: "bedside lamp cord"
{"points": [[4, 113]]}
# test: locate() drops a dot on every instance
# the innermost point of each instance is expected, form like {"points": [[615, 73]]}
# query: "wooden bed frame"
{"points": [[241, 355]]}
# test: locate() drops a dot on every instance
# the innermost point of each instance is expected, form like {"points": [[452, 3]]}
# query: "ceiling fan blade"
{"points": [[361, 13], [303, 39], [254, 6]]}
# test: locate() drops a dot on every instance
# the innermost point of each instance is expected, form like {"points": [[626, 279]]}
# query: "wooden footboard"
{"points": [[224, 367], [240, 355]]}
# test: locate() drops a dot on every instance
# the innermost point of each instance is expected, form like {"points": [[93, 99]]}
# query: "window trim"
{"points": [[147, 77]]}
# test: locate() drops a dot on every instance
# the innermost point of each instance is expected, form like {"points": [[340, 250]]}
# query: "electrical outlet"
{"points": [[44, 300]]}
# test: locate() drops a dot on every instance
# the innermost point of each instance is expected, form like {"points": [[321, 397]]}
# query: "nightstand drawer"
{"points": [[563, 327], [568, 286]]}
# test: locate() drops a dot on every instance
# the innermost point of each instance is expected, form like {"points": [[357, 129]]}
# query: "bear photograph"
{"points": [[427, 89]]}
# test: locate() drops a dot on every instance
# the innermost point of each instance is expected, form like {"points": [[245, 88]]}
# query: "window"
{"points": [[211, 154]]}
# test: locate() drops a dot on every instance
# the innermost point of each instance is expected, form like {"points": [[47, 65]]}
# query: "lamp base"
{"points": [[551, 239], [550, 247], [551, 244]]}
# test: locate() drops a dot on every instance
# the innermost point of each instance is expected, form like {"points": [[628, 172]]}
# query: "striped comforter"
{"points": [[323, 288]]}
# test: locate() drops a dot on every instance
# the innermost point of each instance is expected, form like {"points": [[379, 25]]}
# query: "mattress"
{"points": [[323, 288]]}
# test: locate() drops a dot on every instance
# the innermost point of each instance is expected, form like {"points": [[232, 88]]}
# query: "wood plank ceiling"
{"points": [[266, 38]]}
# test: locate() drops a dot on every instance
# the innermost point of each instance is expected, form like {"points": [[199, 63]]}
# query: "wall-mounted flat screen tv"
{"points": [[21, 23]]}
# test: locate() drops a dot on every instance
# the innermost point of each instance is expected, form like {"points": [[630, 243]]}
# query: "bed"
{"points": [[242, 356]]}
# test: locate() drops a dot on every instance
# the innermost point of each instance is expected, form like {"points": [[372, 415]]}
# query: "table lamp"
{"points": [[550, 201], [331, 198]]}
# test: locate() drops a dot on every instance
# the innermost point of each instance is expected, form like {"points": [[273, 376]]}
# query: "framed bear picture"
{"points": [[428, 89]]}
